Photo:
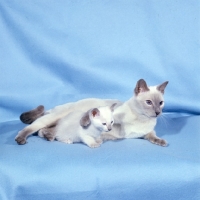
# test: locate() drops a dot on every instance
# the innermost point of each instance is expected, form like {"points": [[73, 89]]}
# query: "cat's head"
{"points": [[101, 118], [150, 100]]}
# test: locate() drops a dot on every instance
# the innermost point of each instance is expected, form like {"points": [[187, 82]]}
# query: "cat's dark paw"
{"points": [[159, 141], [163, 143], [20, 140]]}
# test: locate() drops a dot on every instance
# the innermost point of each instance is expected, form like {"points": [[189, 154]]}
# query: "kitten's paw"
{"points": [[159, 141], [94, 145], [68, 141], [20, 140], [99, 141]]}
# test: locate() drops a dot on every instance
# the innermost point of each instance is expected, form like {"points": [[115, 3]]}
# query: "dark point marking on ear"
{"points": [[162, 87], [112, 107], [95, 112], [141, 86], [85, 120]]}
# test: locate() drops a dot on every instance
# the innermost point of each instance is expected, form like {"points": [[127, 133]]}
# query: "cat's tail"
{"points": [[32, 115]]}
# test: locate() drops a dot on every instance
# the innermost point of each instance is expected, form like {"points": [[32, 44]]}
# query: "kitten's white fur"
{"points": [[133, 118], [83, 127]]}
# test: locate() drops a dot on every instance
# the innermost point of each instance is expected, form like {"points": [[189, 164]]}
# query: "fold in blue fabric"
{"points": [[54, 52]]}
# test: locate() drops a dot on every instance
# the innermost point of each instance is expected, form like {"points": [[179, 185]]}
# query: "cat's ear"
{"points": [[162, 87], [85, 120], [112, 107], [141, 86], [95, 112]]}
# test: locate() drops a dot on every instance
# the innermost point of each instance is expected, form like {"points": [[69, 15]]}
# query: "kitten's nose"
{"points": [[157, 113], [109, 129]]}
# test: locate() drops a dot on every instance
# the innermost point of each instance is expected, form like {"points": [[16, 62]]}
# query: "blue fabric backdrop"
{"points": [[53, 52]]}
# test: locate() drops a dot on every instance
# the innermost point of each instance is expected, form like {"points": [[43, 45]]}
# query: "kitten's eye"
{"points": [[111, 122], [149, 102], [161, 103], [104, 124]]}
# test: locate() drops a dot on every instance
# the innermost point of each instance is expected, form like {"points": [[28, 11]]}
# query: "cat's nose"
{"points": [[157, 113], [109, 129]]}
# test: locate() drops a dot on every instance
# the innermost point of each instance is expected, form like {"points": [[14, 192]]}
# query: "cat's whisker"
{"points": [[165, 119]]}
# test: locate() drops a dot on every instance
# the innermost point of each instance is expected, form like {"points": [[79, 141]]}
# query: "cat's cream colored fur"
{"points": [[134, 118]]}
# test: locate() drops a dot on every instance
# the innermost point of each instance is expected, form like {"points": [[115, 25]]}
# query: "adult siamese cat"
{"points": [[135, 118], [81, 127]]}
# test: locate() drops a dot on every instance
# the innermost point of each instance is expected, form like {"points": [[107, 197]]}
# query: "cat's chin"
{"points": [[106, 131], [102, 130], [153, 116]]}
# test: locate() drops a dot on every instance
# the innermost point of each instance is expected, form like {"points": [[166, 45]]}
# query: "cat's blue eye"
{"points": [[111, 122], [104, 124], [149, 102], [161, 103]]}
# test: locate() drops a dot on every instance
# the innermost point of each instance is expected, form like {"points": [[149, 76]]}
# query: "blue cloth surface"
{"points": [[124, 169], [53, 52]]}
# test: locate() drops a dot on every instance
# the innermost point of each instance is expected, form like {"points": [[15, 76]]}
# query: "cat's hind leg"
{"points": [[32, 115], [43, 121], [47, 133], [155, 139]]}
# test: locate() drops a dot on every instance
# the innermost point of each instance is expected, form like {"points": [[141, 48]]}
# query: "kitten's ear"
{"points": [[112, 107], [85, 120], [141, 86], [95, 112], [161, 87]]}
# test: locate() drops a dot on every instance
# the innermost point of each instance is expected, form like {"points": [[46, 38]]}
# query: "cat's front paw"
{"points": [[159, 141], [20, 140], [155, 140]]}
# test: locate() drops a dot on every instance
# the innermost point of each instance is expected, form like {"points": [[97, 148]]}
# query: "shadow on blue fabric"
{"points": [[170, 125]]}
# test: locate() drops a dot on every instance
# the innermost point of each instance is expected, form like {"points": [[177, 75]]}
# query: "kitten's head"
{"points": [[101, 118], [150, 101]]}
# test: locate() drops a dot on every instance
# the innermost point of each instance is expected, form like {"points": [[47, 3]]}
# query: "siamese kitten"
{"points": [[81, 127], [135, 118]]}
